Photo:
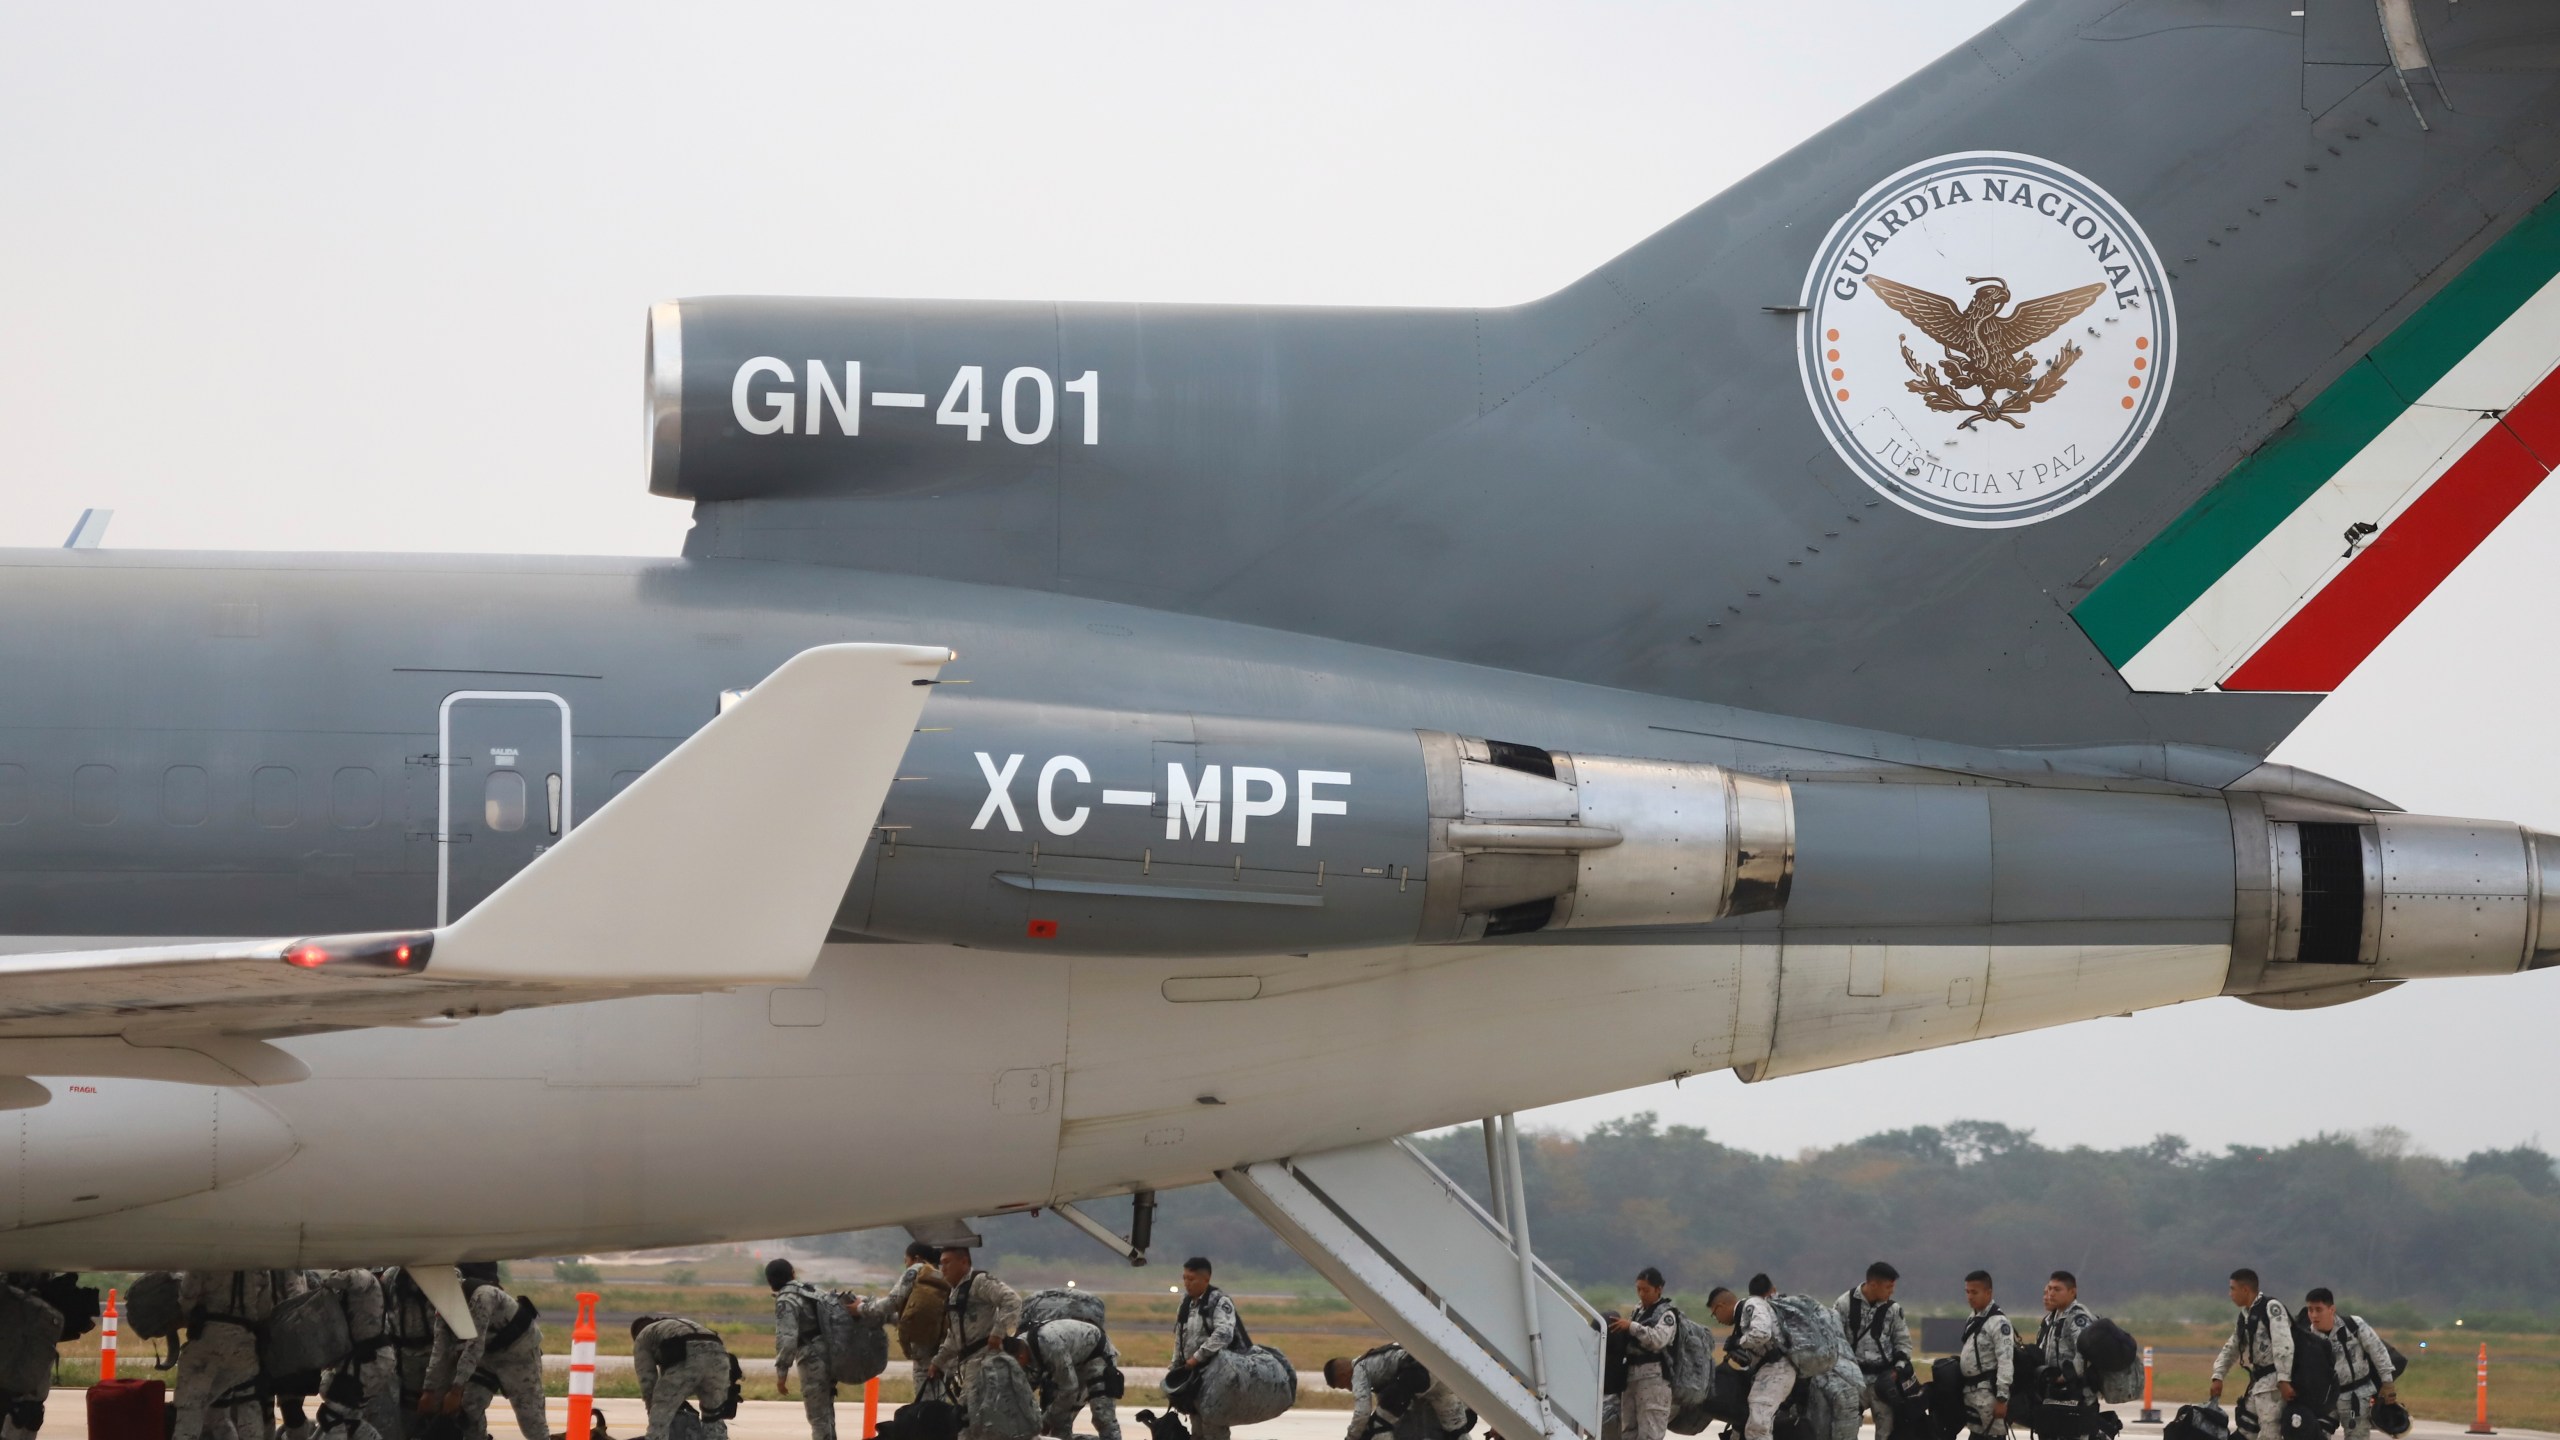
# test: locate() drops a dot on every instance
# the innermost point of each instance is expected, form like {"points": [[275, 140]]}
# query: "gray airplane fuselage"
{"points": [[1136, 1026]]}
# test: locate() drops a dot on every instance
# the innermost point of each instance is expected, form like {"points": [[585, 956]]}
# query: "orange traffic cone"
{"points": [[2480, 1407], [582, 1367]]}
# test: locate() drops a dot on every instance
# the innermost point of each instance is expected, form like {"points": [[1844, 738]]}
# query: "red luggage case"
{"points": [[128, 1410]]}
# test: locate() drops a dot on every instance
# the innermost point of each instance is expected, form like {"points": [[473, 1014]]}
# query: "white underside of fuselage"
{"points": [[905, 1082]]}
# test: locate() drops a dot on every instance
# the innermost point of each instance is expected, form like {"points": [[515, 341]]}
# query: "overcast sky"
{"points": [[365, 278]]}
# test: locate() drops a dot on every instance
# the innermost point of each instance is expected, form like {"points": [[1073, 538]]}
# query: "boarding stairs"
{"points": [[1444, 1276]]}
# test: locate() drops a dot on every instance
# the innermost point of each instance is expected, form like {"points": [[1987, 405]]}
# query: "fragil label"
{"points": [[1987, 338]]}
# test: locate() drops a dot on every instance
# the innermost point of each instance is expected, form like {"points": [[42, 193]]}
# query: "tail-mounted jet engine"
{"points": [[1107, 832], [1524, 839], [2338, 901]]}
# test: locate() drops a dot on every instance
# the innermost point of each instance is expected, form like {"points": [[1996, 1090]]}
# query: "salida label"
{"points": [[1988, 338]]}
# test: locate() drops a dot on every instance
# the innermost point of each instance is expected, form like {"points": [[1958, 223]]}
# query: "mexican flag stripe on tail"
{"points": [[2291, 569]]}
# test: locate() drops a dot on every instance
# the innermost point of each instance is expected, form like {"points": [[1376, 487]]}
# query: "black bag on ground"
{"points": [[1945, 1392], [923, 1420], [307, 1333], [151, 1307], [2198, 1422]]}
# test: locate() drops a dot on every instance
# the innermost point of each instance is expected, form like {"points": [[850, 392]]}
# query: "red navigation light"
{"points": [[401, 955], [309, 957]]}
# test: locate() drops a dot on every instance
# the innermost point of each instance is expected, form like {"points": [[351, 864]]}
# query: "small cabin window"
{"points": [[502, 801]]}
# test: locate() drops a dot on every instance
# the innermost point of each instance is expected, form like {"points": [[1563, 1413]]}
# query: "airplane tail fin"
{"points": [[2124, 353]]}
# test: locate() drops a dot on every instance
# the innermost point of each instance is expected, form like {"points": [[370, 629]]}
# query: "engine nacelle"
{"points": [[2337, 902], [1524, 839], [1045, 827]]}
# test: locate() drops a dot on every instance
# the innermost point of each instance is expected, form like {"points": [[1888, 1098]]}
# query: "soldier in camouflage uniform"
{"points": [[1758, 1343], [369, 1381], [24, 1415], [2058, 1338], [2262, 1343], [1382, 1383], [983, 1315], [1203, 1329], [2363, 1363], [219, 1387], [1988, 1358], [503, 1358], [918, 1305], [1644, 1409], [409, 1326], [676, 1360], [1879, 1333], [1074, 1358], [800, 1344]]}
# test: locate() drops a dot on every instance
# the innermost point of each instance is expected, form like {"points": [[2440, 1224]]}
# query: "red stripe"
{"points": [[2329, 637]]}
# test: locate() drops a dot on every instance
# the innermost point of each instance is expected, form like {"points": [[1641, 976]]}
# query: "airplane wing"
{"points": [[722, 865]]}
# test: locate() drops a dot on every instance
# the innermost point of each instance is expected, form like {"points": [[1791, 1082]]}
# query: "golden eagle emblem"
{"points": [[1986, 350]]}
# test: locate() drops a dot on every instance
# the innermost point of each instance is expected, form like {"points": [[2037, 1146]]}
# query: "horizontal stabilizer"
{"points": [[725, 862], [723, 865]]}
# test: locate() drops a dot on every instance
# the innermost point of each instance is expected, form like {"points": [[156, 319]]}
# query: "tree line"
{"points": [[2369, 1216]]}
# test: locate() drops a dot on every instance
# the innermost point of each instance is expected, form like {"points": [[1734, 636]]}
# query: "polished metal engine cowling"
{"points": [[2338, 901], [1525, 839]]}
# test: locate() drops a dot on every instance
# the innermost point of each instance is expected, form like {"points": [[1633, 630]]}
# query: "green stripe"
{"points": [[2161, 580]]}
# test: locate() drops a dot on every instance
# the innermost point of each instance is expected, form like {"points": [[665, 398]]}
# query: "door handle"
{"points": [[552, 788]]}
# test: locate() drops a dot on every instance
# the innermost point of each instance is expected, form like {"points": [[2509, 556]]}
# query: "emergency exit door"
{"points": [[503, 790]]}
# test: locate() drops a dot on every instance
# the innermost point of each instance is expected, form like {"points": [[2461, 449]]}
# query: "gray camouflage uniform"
{"points": [[983, 1308], [2266, 1352], [1880, 1334], [483, 1373], [1759, 1342], [24, 1414], [409, 1324], [2361, 1364], [1073, 1356], [701, 1375], [2059, 1338], [372, 1365], [1371, 1373], [1207, 1330], [800, 1348], [1644, 1410], [218, 1384], [1989, 1360]]}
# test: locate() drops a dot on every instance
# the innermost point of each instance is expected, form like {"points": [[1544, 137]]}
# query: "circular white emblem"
{"points": [[1987, 338]]}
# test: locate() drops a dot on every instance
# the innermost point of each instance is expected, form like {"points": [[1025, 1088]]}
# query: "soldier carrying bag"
{"points": [[306, 1334], [151, 1306]]}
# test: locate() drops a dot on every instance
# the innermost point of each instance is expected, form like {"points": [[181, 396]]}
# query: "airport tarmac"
{"points": [[66, 1418]]}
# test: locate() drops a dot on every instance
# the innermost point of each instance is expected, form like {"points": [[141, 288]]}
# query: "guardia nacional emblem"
{"points": [[1987, 338]]}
